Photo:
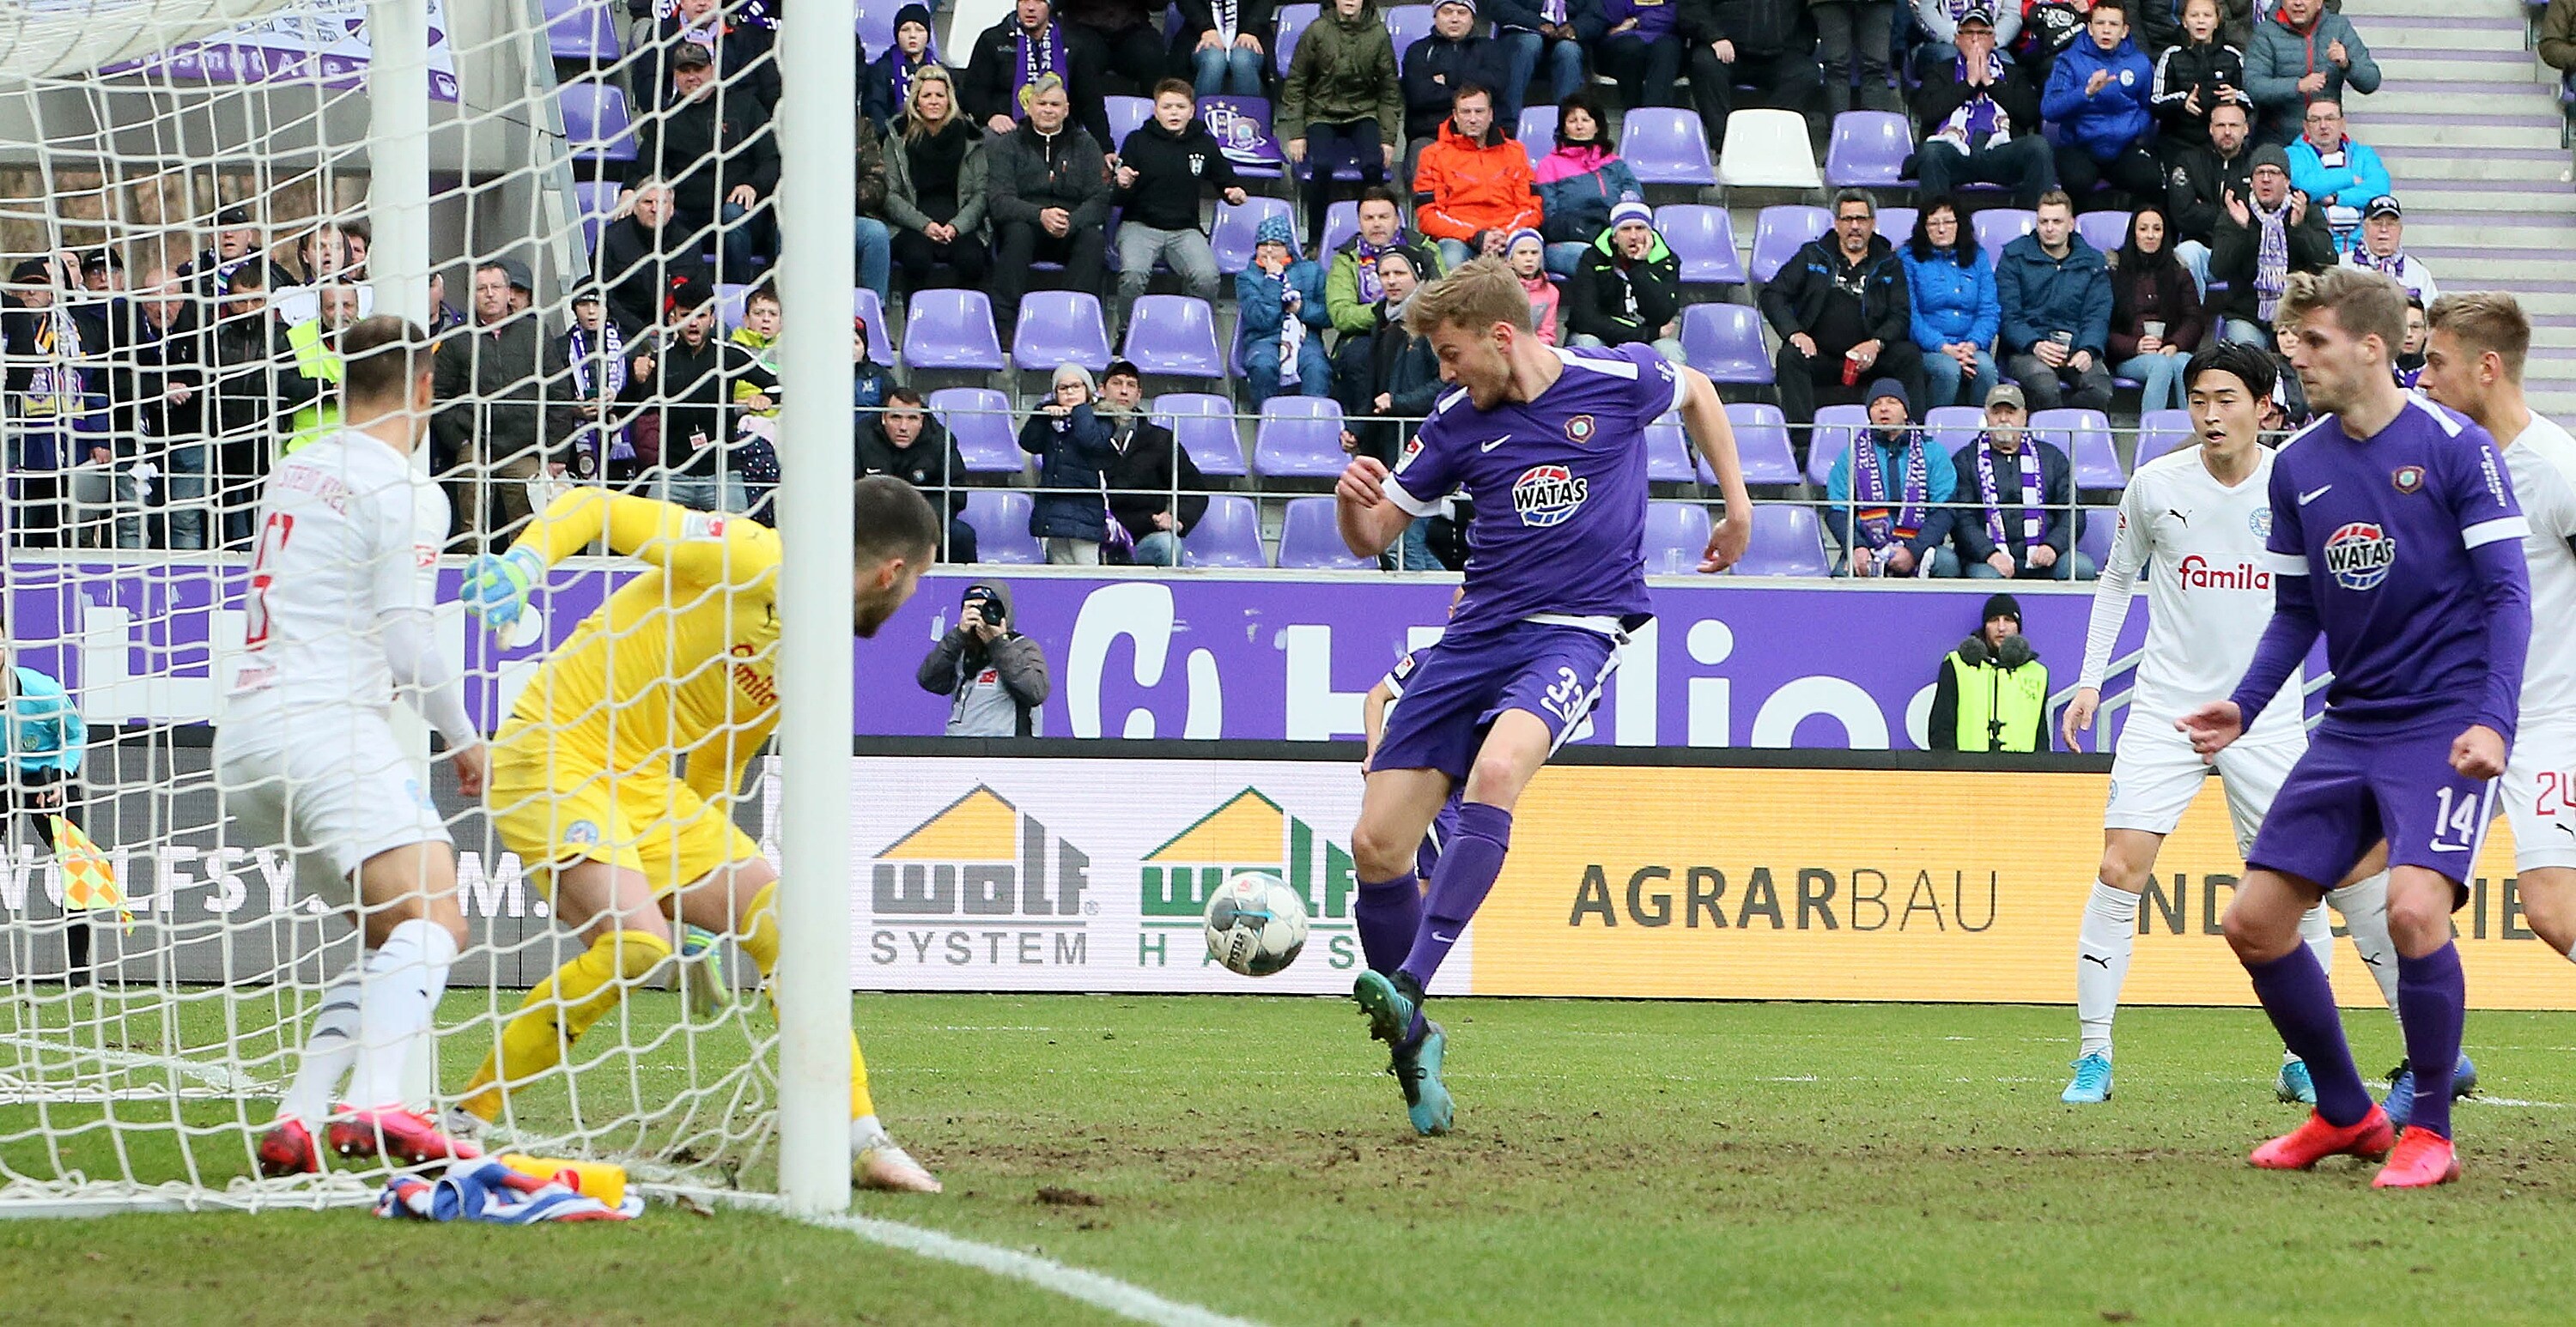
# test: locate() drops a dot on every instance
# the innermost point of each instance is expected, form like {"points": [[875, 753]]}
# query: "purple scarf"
{"points": [[2033, 517], [1869, 490], [1371, 290], [1978, 119], [611, 360], [1038, 57], [904, 69]]}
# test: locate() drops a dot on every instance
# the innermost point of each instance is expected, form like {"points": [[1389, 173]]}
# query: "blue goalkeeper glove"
{"points": [[496, 588], [701, 974]]}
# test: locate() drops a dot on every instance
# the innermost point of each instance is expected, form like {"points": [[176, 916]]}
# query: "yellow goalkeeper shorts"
{"points": [[555, 807]]}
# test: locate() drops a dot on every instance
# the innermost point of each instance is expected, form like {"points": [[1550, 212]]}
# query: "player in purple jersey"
{"points": [[1551, 445], [2394, 532]]}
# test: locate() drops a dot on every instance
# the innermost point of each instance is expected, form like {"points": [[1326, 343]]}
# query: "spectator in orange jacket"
{"points": [[1478, 182]]}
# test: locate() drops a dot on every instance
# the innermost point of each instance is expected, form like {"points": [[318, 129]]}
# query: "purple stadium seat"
{"points": [[1666, 146], [1787, 541], [951, 329], [1310, 540], [1229, 535], [596, 199], [2085, 437], [1292, 22], [1999, 226], [875, 26], [1201, 424], [1867, 150], [730, 297], [1676, 536], [1126, 115], [1342, 221], [1779, 232], [980, 419], [2161, 431], [584, 30], [1000, 518], [1668, 452], [1174, 335], [1300, 437], [1897, 224], [596, 124], [1538, 132], [2106, 231], [1406, 24], [1954, 426], [864, 305], [1761, 443], [1060, 327], [2096, 526], [1702, 238], [1724, 341], [1235, 227], [1835, 427]]}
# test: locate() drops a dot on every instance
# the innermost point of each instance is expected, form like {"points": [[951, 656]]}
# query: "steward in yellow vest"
{"points": [[1993, 692]]}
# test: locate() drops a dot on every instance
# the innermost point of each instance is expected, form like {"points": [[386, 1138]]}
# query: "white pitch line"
{"points": [[1105, 1292], [2482, 1099]]}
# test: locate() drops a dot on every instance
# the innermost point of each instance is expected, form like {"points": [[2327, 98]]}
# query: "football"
{"points": [[1255, 924]]}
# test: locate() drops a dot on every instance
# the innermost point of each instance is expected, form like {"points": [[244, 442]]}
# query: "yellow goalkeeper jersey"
{"points": [[681, 661]]}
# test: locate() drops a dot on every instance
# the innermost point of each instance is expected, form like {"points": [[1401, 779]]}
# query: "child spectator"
{"points": [[1342, 102], [2098, 95], [2193, 79], [1527, 253], [1281, 303], [885, 86]]}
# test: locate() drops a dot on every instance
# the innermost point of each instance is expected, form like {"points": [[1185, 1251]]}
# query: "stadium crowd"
{"points": [[143, 413]]}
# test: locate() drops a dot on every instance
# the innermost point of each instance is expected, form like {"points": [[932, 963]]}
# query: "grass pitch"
{"points": [[1617, 1163]]}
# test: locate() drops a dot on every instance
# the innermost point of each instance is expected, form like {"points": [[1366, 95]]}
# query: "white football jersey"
{"points": [[348, 532], [2208, 596], [2543, 464]]}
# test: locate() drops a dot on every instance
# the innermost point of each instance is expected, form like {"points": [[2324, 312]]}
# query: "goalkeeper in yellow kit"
{"points": [[681, 662]]}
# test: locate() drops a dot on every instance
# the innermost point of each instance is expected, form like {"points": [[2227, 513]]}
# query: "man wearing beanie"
{"points": [[2260, 241], [1627, 287], [1993, 691], [1450, 57], [885, 86], [1843, 313], [1889, 493]]}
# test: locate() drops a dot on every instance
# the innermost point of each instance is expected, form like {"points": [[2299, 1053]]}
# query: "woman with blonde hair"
{"points": [[935, 187]]}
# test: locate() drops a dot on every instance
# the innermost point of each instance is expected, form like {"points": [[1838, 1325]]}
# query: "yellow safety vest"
{"points": [[321, 363], [2015, 698]]}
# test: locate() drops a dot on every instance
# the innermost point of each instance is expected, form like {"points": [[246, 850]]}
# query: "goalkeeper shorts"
{"points": [[554, 807]]}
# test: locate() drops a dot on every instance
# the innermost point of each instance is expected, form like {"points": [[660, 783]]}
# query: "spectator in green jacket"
{"points": [[1342, 103]]}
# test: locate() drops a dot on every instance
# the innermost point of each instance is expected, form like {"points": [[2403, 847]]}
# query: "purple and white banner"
{"points": [[321, 41], [1240, 656]]}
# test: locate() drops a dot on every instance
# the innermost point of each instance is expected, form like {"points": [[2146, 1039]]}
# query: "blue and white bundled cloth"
{"points": [[486, 1190]]}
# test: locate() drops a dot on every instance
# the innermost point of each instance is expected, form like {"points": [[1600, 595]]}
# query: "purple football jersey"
{"points": [[1559, 485], [2388, 534]]}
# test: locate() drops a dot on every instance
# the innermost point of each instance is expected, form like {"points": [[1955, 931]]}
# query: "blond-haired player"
{"points": [[680, 663]]}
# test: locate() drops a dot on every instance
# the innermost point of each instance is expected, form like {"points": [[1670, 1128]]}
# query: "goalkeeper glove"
{"points": [[496, 588], [701, 973]]}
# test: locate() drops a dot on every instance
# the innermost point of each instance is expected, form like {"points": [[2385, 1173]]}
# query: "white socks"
{"points": [[2102, 951], [2364, 905], [867, 1131], [2316, 931], [328, 1051], [404, 979]]}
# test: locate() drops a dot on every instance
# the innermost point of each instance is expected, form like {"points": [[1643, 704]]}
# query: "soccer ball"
{"points": [[1255, 924]]}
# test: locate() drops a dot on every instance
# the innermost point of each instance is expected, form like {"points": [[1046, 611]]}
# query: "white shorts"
{"points": [[333, 790], [2155, 774], [2539, 789]]}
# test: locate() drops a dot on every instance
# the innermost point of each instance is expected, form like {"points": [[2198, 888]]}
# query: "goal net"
{"points": [[197, 199]]}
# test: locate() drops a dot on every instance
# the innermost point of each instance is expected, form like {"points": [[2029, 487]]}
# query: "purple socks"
{"points": [[2295, 993], [1388, 912], [1468, 867], [2432, 999]]}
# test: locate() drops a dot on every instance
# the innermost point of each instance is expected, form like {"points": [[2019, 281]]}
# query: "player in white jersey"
{"points": [[2473, 364], [2200, 516], [340, 597]]}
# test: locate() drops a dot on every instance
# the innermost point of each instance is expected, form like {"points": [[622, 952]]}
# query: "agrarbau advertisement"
{"points": [[1651, 880]]}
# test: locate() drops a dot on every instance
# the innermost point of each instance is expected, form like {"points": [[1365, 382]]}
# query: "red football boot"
{"points": [[2316, 1140], [399, 1134], [287, 1149], [2422, 1160]]}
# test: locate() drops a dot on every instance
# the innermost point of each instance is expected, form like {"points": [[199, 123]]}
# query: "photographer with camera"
{"points": [[996, 677], [1993, 692]]}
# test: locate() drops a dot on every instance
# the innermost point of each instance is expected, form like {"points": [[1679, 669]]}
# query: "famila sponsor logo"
{"points": [[1546, 495], [2359, 555], [981, 883], [2198, 573]]}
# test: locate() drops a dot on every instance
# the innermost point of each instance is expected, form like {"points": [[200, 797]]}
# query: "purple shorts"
{"points": [[1460, 686], [2354, 788]]}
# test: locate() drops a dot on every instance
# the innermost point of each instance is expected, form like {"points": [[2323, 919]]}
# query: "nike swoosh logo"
{"points": [[1496, 443], [2450, 847], [2306, 498], [1444, 939]]}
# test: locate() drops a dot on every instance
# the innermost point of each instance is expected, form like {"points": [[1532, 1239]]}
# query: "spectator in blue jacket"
{"points": [[1955, 310], [2056, 295], [1580, 182], [42, 743], [1530, 31], [2334, 171], [1893, 518], [1072, 444], [2302, 52], [2101, 93], [885, 86], [1642, 47], [1280, 299]]}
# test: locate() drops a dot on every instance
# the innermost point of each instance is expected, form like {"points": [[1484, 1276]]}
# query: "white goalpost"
{"points": [[184, 180]]}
